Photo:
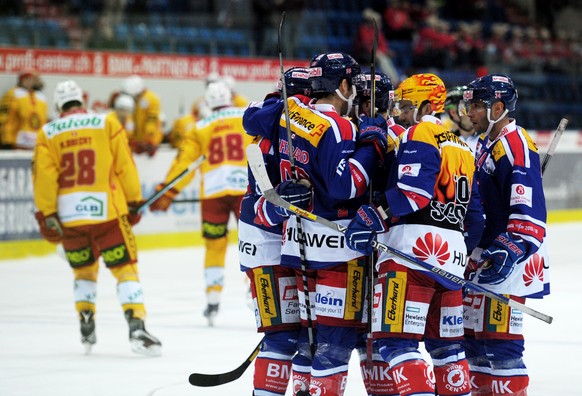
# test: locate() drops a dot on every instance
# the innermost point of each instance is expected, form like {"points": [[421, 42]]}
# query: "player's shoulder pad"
{"points": [[531, 144], [20, 92]]}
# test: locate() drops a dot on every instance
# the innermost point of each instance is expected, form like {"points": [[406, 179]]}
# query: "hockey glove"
{"points": [[362, 230], [296, 193], [374, 131], [499, 259], [50, 227], [134, 216], [164, 202]]}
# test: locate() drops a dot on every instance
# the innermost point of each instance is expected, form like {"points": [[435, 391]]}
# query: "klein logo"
{"points": [[432, 246], [520, 189], [534, 269]]}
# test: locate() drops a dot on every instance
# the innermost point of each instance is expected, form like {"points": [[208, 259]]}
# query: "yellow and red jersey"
{"points": [[83, 169], [146, 117], [180, 127], [27, 113], [5, 107], [222, 138]]}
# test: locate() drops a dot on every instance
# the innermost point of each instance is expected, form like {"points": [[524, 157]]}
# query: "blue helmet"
{"points": [[490, 89], [296, 82], [384, 89], [328, 70]]}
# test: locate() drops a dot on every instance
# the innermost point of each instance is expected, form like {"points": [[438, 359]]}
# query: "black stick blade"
{"points": [[209, 380]]}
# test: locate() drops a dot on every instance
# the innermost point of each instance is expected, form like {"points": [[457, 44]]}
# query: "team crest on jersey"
{"points": [[408, 170], [534, 270], [432, 246], [521, 195]]}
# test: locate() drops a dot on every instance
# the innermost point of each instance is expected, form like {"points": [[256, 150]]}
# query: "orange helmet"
{"points": [[423, 87]]}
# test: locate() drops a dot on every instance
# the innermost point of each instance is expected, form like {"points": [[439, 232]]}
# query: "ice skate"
{"points": [[88, 337], [140, 340], [210, 313]]}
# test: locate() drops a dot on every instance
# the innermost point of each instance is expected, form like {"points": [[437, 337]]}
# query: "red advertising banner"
{"points": [[120, 64]]}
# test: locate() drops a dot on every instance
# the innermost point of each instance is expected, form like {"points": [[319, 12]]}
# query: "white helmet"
{"points": [[218, 95], [65, 92], [230, 81], [212, 77], [133, 85], [124, 102]]}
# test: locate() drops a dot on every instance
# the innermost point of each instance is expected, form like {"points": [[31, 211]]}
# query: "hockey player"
{"points": [[456, 119], [24, 111], [221, 138], [375, 376], [425, 202], [511, 254], [123, 106], [148, 132], [326, 154], [84, 182], [274, 287]]}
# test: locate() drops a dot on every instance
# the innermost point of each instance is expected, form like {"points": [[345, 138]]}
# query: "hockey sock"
{"points": [[130, 295], [377, 378], [509, 377], [302, 368], [85, 294], [450, 368], [329, 369], [273, 364], [272, 373], [214, 264]]}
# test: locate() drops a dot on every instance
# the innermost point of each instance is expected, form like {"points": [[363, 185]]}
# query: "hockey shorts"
{"points": [[274, 293], [114, 240], [410, 304], [215, 215]]}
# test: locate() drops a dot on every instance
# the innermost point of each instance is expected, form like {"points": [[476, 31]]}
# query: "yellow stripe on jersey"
{"points": [[266, 299], [304, 122], [354, 289], [394, 300]]}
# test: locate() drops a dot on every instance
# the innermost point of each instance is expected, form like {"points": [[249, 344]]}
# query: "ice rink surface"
{"points": [[41, 355]]}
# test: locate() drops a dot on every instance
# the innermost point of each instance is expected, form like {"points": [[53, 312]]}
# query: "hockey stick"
{"points": [[295, 176], [171, 183], [206, 380], [445, 278], [370, 260], [186, 200], [557, 135]]}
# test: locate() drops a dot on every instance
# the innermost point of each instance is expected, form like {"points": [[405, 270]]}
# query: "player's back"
{"points": [[94, 170], [224, 141]]}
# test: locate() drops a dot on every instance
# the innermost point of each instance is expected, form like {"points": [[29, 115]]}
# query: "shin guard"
{"points": [[509, 377], [412, 374], [377, 378], [451, 368], [272, 373]]}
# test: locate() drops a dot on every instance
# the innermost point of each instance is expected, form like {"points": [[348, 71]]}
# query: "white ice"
{"points": [[40, 352]]}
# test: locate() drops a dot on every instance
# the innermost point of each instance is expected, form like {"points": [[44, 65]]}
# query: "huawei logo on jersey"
{"points": [[534, 269], [432, 246]]}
